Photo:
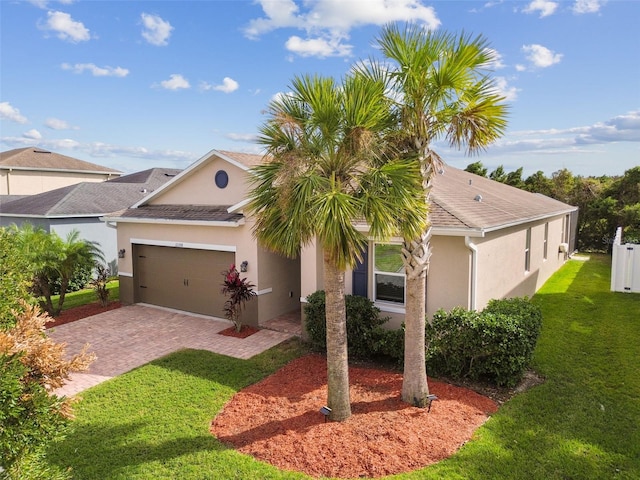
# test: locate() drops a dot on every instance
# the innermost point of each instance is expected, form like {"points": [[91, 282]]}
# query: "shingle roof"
{"points": [[37, 158], [463, 200], [459, 201], [206, 213], [88, 198], [247, 159]]}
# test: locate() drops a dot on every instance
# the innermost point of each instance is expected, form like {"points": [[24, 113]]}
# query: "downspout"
{"points": [[474, 271]]}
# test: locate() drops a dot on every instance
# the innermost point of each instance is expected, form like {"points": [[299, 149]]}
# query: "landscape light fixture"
{"points": [[430, 398], [326, 411]]}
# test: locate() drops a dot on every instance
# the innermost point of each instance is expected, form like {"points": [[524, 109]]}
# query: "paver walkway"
{"points": [[130, 336]]}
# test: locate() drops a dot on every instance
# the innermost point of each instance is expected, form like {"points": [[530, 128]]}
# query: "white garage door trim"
{"points": [[197, 246]]}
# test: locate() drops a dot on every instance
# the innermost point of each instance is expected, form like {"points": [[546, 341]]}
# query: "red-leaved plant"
{"points": [[240, 291]]}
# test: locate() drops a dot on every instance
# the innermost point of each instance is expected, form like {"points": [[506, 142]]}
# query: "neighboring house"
{"points": [[490, 240], [80, 207], [28, 171]]}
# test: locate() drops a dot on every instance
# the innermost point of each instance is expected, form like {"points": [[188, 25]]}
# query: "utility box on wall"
{"points": [[625, 267]]}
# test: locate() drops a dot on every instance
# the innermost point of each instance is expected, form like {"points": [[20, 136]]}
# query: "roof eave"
{"points": [[58, 170], [523, 221], [165, 221]]}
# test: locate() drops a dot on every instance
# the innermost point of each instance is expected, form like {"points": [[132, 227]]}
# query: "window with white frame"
{"points": [[527, 252], [389, 276]]}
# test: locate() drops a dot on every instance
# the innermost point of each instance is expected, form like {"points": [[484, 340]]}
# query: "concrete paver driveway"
{"points": [[130, 336]]}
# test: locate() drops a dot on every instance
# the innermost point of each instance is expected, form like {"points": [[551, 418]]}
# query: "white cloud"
{"points": [[242, 137], [228, 85], [496, 62], [587, 6], [623, 128], [57, 124], [327, 23], [504, 89], [541, 57], [11, 113], [545, 7], [32, 134], [66, 28], [318, 47], [175, 82], [45, 3], [156, 30], [95, 70]]}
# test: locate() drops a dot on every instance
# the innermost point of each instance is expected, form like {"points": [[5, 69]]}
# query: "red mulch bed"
{"points": [[278, 421], [245, 331], [76, 313]]}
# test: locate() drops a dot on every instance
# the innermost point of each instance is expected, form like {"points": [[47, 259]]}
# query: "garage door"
{"points": [[181, 278]]}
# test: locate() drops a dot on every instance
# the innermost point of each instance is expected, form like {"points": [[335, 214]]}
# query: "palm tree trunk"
{"points": [[416, 256], [414, 380], [337, 358]]}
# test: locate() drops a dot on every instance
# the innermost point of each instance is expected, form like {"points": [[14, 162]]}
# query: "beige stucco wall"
{"points": [[500, 266], [501, 261], [449, 277], [279, 279], [199, 187], [276, 279], [32, 182]]}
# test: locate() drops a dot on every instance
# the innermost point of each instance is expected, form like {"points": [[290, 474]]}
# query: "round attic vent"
{"points": [[478, 198], [222, 179]]}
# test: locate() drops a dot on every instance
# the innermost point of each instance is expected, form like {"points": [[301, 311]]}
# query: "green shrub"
{"points": [[364, 324], [528, 314], [494, 345]]}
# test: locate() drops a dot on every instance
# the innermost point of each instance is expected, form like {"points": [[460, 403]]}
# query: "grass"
{"points": [[582, 423], [87, 295]]}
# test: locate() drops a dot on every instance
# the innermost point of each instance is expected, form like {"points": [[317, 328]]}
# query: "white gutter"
{"points": [[474, 271]]}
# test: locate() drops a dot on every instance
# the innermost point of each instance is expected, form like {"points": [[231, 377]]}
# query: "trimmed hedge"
{"points": [[495, 345], [364, 324]]}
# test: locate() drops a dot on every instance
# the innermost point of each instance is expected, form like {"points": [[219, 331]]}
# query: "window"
{"points": [[527, 252], [546, 239], [389, 277]]}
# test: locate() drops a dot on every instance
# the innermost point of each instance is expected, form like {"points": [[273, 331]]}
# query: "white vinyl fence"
{"points": [[625, 266]]}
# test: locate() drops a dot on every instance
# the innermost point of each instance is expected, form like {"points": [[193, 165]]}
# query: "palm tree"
{"points": [[327, 167], [443, 90], [53, 259]]}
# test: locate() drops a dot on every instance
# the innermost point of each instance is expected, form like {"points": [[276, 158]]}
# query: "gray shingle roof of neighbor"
{"points": [[88, 199], [33, 158]]}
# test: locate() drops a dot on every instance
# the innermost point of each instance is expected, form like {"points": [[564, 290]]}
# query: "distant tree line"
{"points": [[605, 202]]}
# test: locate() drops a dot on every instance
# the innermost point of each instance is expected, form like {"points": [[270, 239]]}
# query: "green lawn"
{"points": [[582, 423], [87, 295]]}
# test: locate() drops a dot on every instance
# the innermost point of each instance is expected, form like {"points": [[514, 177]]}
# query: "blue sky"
{"points": [[139, 84]]}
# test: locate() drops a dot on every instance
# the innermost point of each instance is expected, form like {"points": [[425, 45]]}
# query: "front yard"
{"points": [[153, 422]]}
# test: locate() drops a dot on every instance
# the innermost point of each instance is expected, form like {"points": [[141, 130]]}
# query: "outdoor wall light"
{"points": [[121, 253], [243, 266], [326, 411]]}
